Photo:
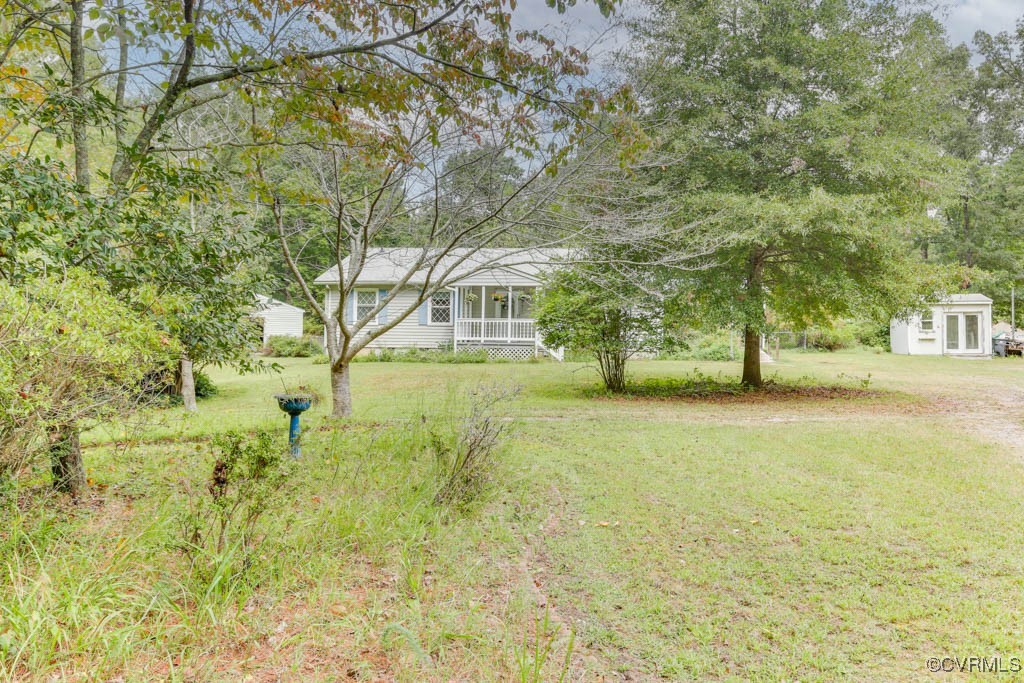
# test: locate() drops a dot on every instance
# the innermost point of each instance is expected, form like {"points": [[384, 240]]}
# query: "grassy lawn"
{"points": [[624, 539]]}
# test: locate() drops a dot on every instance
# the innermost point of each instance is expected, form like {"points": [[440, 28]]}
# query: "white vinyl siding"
{"points": [[280, 321], [408, 333]]}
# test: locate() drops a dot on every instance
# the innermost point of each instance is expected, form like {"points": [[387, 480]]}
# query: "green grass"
{"points": [[684, 539]]}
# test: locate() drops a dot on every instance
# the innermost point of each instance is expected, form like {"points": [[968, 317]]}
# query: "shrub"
{"points": [[871, 334], [831, 339], [423, 356], [245, 482], [205, 388], [696, 346], [69, 353], [293, 347], [577, 311], [466, 453]]}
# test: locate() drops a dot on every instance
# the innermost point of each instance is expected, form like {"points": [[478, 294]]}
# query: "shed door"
{"points": [[963, 332], [972, 332], [953, 332]]}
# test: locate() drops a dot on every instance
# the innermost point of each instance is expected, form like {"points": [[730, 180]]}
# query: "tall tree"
{"points": [[803, 135], [402, 200]]}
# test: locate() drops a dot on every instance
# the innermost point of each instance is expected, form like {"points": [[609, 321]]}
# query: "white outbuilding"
{"points": [[278, 318], [960, 325]]}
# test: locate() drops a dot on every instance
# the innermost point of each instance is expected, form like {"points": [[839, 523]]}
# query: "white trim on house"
{"points": [[375, 291], [431, 307]]}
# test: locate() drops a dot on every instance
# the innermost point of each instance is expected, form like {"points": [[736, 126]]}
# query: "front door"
{"points": [[963, 332]]}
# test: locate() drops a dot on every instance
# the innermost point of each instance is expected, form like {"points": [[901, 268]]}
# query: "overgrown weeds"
{"points": [[222, 523], [531, 655], [466, 450]]}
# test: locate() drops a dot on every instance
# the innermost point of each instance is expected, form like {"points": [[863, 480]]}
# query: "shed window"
{"points": [[440, 312], [366, 301], [927, 323]]}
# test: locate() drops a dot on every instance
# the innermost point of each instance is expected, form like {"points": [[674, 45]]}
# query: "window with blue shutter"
{"points": [[382, 317]]}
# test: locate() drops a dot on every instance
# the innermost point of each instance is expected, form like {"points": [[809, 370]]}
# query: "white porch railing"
{"points": [[507, 330]]}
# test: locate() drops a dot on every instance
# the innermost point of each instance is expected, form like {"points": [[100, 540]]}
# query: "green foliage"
{"points": [[69, 353], [205, 388], [802, 148], [422, 356], [713, 345], [871, 333], [597, 312], [247, 481], [831, 338], [293, 347]]}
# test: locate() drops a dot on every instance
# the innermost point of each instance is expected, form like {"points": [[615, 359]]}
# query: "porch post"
{"points": [[510, 314], [455, 319], [483, 313]]}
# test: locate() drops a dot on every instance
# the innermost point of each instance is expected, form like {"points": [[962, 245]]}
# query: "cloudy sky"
{"points": [[587, 26], [968, 16]]}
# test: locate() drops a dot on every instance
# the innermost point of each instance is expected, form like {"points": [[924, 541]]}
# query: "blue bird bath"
{"points": [[294, 405]]}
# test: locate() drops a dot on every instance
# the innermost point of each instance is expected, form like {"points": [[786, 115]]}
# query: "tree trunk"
{"points": [[968, 253], [66, 461], [79, 121], [187, 384], [341, 393], [751, 357], [612, 366]]}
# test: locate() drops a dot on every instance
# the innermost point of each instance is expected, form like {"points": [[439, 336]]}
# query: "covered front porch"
{"points": [[494, 315]]}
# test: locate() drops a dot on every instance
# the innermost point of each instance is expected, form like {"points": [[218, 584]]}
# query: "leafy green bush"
{"points": [[871, 334], [205, 388], [69, 353], [321, 359], [293, 347], [835, 338], [422, 356], [248, 475], [695, 346]]}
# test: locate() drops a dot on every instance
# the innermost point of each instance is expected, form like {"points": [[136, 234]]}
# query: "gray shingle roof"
{"points": [[388, 265]]}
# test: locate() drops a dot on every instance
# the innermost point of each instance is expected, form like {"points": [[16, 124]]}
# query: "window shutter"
{"points": [[350, 303], [423, 313], [382, 317]]}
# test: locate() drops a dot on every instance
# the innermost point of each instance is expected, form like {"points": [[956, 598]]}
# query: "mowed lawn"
{"points": [[677, 539]]}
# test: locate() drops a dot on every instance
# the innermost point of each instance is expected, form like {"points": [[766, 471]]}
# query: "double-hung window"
{"points": [[439, 310], [927, 322], [366, 301]]}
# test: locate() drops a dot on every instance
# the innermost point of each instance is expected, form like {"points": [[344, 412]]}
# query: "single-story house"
{"points": [[959, 325], [487, 305], [277, 318]]}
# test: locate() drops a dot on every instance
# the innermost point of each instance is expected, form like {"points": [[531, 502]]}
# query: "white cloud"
{"points": [[966, 17]]}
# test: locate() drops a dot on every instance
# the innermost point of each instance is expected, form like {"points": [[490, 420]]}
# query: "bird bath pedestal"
{"points": [[294, 405]]}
